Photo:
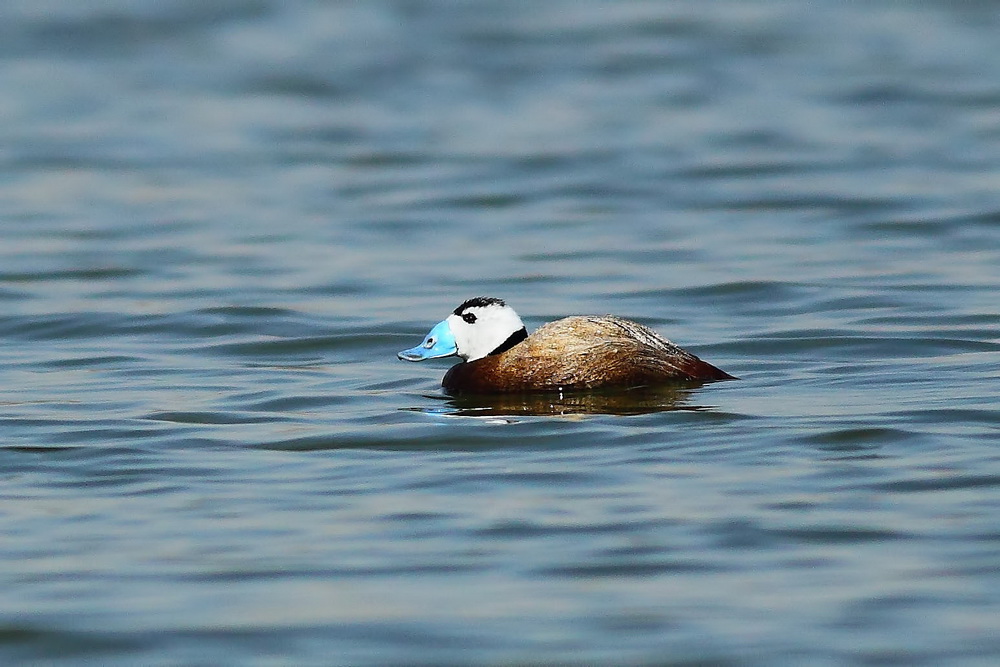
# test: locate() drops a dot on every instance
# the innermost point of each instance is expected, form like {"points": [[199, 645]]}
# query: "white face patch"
{"points": [[481, 329]]}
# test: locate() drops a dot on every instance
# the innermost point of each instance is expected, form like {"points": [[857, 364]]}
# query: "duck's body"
{"points": [[581, 352]]}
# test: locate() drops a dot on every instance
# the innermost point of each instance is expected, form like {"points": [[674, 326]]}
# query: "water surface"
{"points": [[220, 222]]}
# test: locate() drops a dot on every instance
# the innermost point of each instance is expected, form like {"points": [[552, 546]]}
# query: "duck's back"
{"points": [[582, 352]]}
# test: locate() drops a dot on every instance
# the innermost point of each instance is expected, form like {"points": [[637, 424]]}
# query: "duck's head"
{"points": [[479, 327]]}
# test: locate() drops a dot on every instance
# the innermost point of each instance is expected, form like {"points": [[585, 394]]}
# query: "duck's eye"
{"points": [[469, 317], [429, 343]]}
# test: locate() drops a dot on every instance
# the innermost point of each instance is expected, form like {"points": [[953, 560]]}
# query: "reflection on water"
{"points": [[644, 400]]}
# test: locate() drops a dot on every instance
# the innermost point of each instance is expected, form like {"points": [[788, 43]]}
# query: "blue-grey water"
{"points": [[219, 221]]}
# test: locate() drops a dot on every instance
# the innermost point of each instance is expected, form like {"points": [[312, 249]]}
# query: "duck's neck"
{"points": [[511, 341]]}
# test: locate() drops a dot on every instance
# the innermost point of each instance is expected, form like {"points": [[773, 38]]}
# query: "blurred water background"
{"points": [[220, 220]]}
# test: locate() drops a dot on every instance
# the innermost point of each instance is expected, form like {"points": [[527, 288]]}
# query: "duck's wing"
{"points": [[608, 348]]}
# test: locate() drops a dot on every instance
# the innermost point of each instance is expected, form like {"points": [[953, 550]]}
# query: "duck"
{"points": [[581, 352]]}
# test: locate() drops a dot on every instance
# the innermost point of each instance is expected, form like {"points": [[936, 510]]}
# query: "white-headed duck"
{"points": [[580, 352]]}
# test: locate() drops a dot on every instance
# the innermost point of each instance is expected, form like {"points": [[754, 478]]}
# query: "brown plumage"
{"points": [[582, 352]]}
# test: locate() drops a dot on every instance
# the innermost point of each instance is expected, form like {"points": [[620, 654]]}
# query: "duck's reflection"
{"points": [[638, 401]]}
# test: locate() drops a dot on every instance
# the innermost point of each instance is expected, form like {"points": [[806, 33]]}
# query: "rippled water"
{"points": [[220, 221]]}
